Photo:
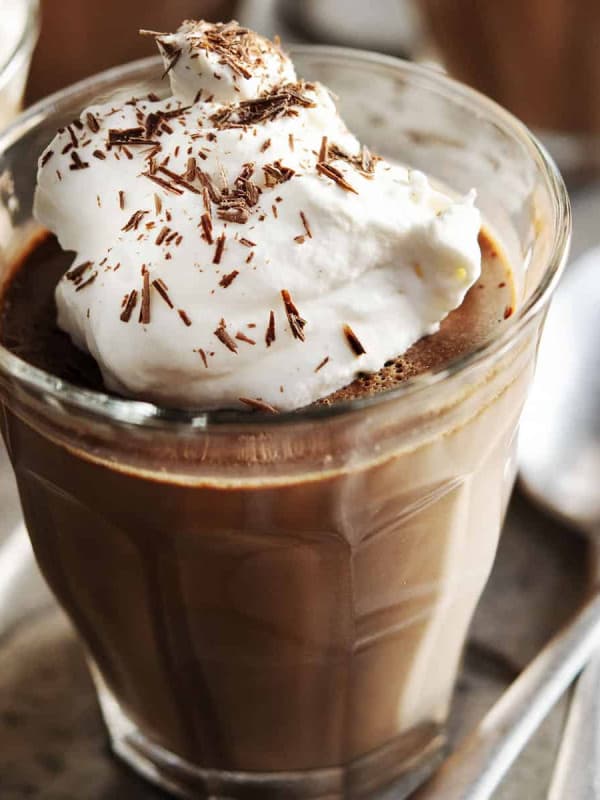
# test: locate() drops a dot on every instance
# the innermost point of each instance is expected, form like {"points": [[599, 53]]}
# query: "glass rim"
{"points": [[24, 41], [126, 411]]}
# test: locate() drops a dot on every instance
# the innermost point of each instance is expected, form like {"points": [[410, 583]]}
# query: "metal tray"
{"points": [[52, 743]]}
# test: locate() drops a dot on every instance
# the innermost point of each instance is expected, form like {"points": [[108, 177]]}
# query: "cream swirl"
{"points": [[234, 243]]}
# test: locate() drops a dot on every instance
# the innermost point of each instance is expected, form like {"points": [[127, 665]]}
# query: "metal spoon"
{"points": [[560, 469], [560, 463]]}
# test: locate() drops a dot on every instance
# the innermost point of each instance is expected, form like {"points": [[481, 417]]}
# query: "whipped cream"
{"points": [[235, 245]]}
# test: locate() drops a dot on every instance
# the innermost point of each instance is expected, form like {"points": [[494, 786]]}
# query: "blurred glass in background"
{"points": [[390, 26], [538, 58], [18, 34]]}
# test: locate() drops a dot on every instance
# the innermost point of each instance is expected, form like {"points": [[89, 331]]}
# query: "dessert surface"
{"points": [[28, 323]]}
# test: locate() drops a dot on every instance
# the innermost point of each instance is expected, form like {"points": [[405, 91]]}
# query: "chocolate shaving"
{"points": [[225, 338], [247, 242], [151, 124], [244, 188], [162, 290], [336, 176], [277, 173], [243, 338], [121, 200], [165, 185], [306, 225], [220, 246], [134, 220], [92, 122], [206, 224], [157, 204], [190, 172], [206, 202], [144, 317], [163, 233], [233, 45], [99, 154], [265, 145], [174, 112], [207, 182], [76, 273], [186, 320], [130, 304], [179, 180], [90, 280], [322, 364], [46, 157], [77, 162], [508, 312], [227, 280], [295, 320], [129, 136], [281, 102], [202, 355], [270, 334], [324, 151], [72, 135], [353, 341], [258, 405]]}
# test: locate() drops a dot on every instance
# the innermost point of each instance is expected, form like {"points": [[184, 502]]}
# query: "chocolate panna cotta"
{"points": [[283, 603]]}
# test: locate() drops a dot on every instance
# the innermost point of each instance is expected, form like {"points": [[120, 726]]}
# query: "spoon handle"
{"points": [[478, 765], [577, 771]]}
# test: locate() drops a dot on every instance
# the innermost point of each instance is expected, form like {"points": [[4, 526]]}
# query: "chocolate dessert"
{"points": [[313, 622], [273, 570]]}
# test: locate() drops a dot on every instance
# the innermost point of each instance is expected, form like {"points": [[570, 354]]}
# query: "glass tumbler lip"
{"points": [[24, 43], [93, 404]]}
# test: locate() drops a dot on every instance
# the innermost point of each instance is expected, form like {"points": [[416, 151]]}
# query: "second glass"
{"points": [[276, 608]]}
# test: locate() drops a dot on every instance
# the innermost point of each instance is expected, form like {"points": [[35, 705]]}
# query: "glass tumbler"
{"points": [[19, 28], [275, 607]]}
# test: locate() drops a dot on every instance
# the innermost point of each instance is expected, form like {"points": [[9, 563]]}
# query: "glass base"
{"points": [[393, 771]]}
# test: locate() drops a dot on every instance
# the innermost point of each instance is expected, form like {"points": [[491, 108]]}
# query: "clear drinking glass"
{"points": [[19, 28], [276, 607]]}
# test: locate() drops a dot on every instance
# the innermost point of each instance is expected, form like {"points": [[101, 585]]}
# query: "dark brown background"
{"points": [[81, 37]]}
